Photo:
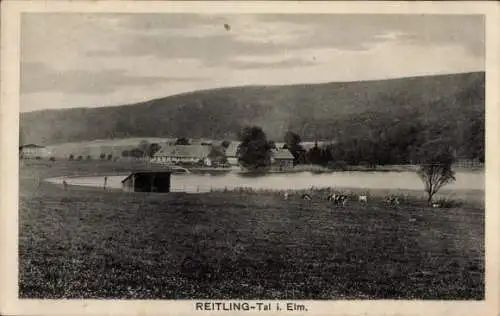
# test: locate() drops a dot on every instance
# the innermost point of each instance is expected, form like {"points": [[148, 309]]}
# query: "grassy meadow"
{"points": [[91, 243]]}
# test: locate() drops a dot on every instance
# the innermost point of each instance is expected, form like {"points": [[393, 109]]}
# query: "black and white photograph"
{"points": [[254, 161]]}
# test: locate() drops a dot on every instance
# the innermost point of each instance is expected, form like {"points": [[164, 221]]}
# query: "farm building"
{"points": [[147, 181], [282, 159], [32, 151], [183, 154], [231, 153]]}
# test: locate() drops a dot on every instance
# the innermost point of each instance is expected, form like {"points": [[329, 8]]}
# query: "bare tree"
{"points": [[436, 160]]}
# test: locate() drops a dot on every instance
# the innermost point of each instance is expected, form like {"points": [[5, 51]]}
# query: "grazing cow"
{"points": [[338, 199], [306, 197], [363, 198], [392, 200], [343, 200], [332, 197]]}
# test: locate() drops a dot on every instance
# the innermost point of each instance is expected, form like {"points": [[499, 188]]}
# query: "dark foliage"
{"points": [[136, 153], [152, 149], [292, 143], [182, 141], [254, 152], [217, 156], [225, 144]]}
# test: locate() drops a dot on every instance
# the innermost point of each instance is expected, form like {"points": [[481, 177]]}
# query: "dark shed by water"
{"points": [[147, 181]]}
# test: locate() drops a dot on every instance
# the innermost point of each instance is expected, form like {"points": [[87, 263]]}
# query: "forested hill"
{"points": [[452, 105]]}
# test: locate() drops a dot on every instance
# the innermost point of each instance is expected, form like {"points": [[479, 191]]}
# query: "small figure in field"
{"points": [[342, 200], [285, 195], [332, 197], [338, 199], [363, 198], [105, 182], [65, 184], [392, 200]]}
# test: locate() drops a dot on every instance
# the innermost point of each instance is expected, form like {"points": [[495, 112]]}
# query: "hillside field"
{"points": [[90, 243]]}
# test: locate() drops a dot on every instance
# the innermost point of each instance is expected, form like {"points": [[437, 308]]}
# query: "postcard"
{"points": [[249, 158]]}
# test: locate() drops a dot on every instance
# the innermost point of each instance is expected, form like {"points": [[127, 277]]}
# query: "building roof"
{"points": [[145, 172], [232, 148], [279, 144], [31, 146], [282, 154], [185, 151]]}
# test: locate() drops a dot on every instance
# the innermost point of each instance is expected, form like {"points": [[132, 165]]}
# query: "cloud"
{"points": [[37, 77], [205, 38], [162, 21], [285, 63], [342, 30]]}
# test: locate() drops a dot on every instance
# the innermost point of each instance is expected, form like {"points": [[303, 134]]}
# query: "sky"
{"points": [[73, 60]]}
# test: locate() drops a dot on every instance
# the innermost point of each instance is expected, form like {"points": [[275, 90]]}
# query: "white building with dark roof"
{"points": [[32, 151], [183, 154], [231, 153], [281, 159]]}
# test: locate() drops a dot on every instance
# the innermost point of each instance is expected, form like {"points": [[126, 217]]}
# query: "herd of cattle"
{"points": [[342, 199]]}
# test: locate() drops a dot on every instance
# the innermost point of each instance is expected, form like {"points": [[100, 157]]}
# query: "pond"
{"points": [[292, 181]]}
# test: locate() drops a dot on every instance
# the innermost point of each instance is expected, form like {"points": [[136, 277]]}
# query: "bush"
{"points": [[102, 156], [199, 163], [79, 158], [447, 203], [338, 165], [110, 157]]}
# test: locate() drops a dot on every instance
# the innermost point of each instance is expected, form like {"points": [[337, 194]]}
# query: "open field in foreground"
{"points": [[88, 243]]}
